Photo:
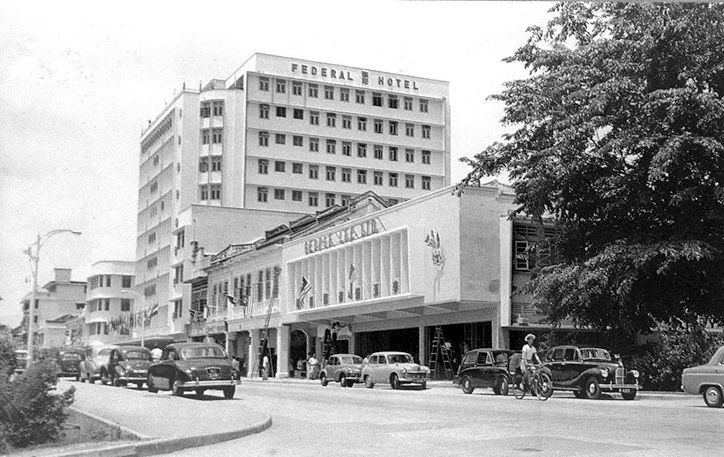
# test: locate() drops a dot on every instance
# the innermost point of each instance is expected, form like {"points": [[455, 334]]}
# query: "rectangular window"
{"points": [[346, 148], [426, 183], [297, 140], [314, 117], [328, 92], [331, 120], [345, 200], [423, 106], [346, 175], [329, 200], [362, 176], [522, 255], [126, 281], [393, 102], [216, 136], [297, 195], [281, 86], [263, 84], [297, 168], [314, 144], [263, 166], [215, 191], [296, 88], [218, 109], [204, 193], [280, 166], [263, 138], [379, 125], [359, 96], [125, 304], [376, 99], [410, 155], [280, 138], [408, 103], [410, 129], [362, 123], [361, 150], [313, 91], [410, 181], [346, 122], [393, 127], [393, 154], [264, 111], [331, 171], [203, 164], [278, 194], [379, 154], [344, 95], [281, 111], [314, 172], [393, 179], [260, 286], [262, 194], [378, 177], [298, 113], [426, 131], [331, 146], [313, 199], [205, 137], [216, 163], [205, 110], [426, 157]]}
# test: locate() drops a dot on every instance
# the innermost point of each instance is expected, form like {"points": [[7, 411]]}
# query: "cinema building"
{"points": [[367, 277]]}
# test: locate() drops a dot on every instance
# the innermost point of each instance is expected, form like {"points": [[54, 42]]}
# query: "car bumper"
{"points": [[414, 379], [133, 378], [619, 387], [215, 383]]}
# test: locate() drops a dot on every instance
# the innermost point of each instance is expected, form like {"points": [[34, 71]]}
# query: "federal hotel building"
{"points": [[279, 138]]}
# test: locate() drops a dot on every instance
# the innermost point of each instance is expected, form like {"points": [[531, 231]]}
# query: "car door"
{"points": [[556, 364], [382, 370], [484, 366]]}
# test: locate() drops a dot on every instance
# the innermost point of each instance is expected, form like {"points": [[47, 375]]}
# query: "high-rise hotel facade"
{"points": [[278, 138]]}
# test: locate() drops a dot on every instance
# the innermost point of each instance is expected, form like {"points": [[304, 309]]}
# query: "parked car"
{"points": [[395, 369], [346, 369], [90, 367], [69, 360], [485, 368], [127, 364], [193, 367], [707, 380], [21, 360], [589, 371]]}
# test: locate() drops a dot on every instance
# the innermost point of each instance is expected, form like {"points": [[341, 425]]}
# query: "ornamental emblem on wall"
{"points": [[432, 239]]}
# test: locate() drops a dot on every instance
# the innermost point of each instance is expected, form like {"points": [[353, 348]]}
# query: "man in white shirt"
{"points": [[156, 353], [529, 357]]}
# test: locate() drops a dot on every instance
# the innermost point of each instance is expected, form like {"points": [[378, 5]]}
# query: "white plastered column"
{"points": [[282, 351]]}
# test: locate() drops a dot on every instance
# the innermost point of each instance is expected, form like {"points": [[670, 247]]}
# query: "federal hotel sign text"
{"points": [[347, 75], [355, 232]]}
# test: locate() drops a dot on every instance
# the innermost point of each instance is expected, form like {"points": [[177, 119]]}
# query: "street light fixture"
{"points": [[34, 259], [142, 301]]}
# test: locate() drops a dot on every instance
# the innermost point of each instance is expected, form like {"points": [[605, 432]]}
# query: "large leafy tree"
{"points": [[617, 134]]}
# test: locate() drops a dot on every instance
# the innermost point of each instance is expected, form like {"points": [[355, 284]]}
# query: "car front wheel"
{"points": [[394, 382], [229, 392], [629, 395], [176, 389], [368, 382], [502, 386], [592, 389], [150, 386], [713, 397], [323, 380], [467, 385], [343, 381]]}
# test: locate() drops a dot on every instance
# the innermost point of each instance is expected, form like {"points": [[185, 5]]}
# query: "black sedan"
{"points": [[195, 367], [486, 368]]}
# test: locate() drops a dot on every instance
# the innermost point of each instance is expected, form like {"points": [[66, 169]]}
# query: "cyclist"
{"points": [[529, 360]]}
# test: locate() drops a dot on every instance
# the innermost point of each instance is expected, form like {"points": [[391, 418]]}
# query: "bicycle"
{"points": [[539, 382]]}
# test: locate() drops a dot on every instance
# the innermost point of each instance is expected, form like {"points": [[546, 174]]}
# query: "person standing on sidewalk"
{"points": [[265, 367]]}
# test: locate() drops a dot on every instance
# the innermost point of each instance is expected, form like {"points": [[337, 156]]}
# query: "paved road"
{"points": [[309, 420]]}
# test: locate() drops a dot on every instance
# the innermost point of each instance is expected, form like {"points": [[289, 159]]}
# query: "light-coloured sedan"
{"points": [[345, 369], [707, 380], [395, 369]]}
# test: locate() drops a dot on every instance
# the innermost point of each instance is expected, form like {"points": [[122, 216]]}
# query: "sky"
{"points": [[79, 80]]}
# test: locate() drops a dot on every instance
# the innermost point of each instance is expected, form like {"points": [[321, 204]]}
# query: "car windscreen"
{"points": [[104, 352], [595, 354], [71, 356], [138, 355], [399, 358], [350, 359], [203, 352]]}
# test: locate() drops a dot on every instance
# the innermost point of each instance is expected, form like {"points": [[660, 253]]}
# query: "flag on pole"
{"points": [[230, 301], [152, 311], [306, 288], [350, 294]]}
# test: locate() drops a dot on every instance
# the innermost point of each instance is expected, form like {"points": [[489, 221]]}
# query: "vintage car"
{"points": [[589, 371], [69, 360], [21, 360], [90, 367], [487, 368], [193, 367], [127, 364], [395, 369], [346, 369], [707, 380]]}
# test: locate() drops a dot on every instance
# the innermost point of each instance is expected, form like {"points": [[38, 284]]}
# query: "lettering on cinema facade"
{"points": [[347, 76], [355, 232]]}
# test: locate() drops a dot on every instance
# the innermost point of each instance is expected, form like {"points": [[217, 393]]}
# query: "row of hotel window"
{"points": [[105, 304], [377, 124], [100, 280], [157, 133], [331, 147], [216, 107], [265, 287], [345, 175], [262, 195], [393, 101]]}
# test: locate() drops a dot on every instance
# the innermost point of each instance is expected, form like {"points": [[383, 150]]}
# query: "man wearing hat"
{"points": [[529, 356]]}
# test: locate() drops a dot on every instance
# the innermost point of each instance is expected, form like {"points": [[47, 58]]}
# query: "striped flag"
{"points": [[306, 288]]}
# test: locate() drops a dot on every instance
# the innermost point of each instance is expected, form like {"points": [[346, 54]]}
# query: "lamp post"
{"points": [[34, 259], [142, 301]]}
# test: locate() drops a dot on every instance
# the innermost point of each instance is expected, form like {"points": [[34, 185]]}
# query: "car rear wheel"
{"points": [[467, 385], [115, 381], [368, 382], [229, 392], [713, 397], [103, 379], [139, 385], [630, 395], [176, 389], [423, 386], [394, 382], [591, 389], [150, 386], [502, 386], [200, 393], [323, 380], [518, 386]]}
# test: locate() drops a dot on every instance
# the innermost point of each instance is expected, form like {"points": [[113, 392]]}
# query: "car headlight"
{"points": [[189, 371], [635, 373], [404, 372], [604, 372]]}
